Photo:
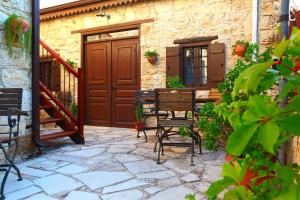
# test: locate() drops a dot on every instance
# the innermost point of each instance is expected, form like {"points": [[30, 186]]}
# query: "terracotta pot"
{"points": [[25, 25], [139, 126], [152, 59], [240, 50]]}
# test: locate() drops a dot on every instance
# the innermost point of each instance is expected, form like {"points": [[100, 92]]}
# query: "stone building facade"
{"points": [[15, 72], [231, 20]]}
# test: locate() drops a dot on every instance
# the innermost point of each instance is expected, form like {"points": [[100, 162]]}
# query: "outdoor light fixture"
{"points": [[102, 14]]}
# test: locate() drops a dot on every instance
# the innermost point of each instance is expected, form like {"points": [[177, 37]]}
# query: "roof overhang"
{"points": [[78, 7]]}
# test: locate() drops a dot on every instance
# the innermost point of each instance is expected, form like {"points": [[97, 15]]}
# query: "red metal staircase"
{"points": [[61, 98]]}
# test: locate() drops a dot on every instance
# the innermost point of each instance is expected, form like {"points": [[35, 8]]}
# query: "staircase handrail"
{"points": [[59, 59]]}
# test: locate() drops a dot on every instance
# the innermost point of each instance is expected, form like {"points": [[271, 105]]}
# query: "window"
{"points": [[200, 65], [195, 66]]}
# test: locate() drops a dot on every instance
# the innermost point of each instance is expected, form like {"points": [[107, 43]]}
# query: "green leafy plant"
{"points": [[14, 34], [73, 64], [139, 112], [190, 197], [74, 109], [261, 128], [150, 53], [214, 127], [174, 82]]}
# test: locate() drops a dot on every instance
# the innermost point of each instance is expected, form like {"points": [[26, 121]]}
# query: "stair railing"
{"points": [[63, 85]]}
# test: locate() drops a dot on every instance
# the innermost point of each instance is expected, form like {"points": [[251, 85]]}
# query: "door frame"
{"points": [[107, 29]]}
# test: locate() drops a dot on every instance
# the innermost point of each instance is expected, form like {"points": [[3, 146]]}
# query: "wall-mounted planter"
{"points": [[151, 56], [152, 60], [240, 50], [17, 33]]}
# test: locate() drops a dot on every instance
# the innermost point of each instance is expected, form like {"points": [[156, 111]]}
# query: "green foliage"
{"points": [[214, 120], [151, 53], [261, 128], [73, 64], [14, 34], [139, 112], [211, 126], [74, 109], [174, 82], [190, 197]]}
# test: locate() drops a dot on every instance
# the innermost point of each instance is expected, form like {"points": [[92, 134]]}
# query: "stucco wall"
{"points": [[174, 19], [15, 72]]}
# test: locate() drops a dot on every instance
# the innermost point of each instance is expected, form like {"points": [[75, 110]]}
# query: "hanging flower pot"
{"points": [[239, 48], [25, 25], [17, 33], [151, 56], [152, 60]]}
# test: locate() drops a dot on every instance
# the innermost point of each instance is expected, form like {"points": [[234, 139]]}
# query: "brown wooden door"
{"points": [[125, 81], [112, 78], [98, 83]]}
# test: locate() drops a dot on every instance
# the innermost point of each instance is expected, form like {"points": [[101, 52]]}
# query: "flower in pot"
{"points": [[139, 115], [240, 47], [151, 56], [17, 33]]}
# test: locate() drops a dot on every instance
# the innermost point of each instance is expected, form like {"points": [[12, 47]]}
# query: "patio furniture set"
{"points": [[174, 109]]}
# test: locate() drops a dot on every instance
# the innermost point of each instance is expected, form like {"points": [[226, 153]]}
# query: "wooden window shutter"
{"points": [[173, 61], [216, 65]]}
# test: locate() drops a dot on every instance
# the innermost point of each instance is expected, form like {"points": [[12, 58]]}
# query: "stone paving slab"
{"points": [[79, 195], [113, 165], [99, 179], [124, 186], [57, 183]]}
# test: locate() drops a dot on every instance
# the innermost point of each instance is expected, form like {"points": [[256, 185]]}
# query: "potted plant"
{"points": [[139, 115], [240, 47], [17, 33], [151, 56], [73, 64]]}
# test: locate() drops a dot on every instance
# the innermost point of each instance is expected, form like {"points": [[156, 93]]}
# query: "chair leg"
{"points": [[18, 172], [145, 135], [193, 152], [138, 134], [200, 144], [3, 183], [157, 135], [160, 148]]}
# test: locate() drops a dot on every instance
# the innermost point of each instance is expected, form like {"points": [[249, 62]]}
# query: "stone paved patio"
{"points": [[113, 165]]}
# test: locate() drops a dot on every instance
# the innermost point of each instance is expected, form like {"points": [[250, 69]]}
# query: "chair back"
{"points": [[10, 99], [168, 99], [146, 98]]}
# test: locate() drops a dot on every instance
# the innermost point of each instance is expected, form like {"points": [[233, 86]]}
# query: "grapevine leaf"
{"points": [[218, 186], [294, 104], [239, 193], [281, 47], [268, 135], [291, 124], [250, 78], [240, 138]]}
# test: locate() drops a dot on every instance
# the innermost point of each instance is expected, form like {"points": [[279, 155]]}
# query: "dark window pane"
{"points": [[195, 66]]}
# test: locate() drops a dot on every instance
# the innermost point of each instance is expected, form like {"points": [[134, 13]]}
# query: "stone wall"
{"points": [[174, 19], [16, 71]]}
